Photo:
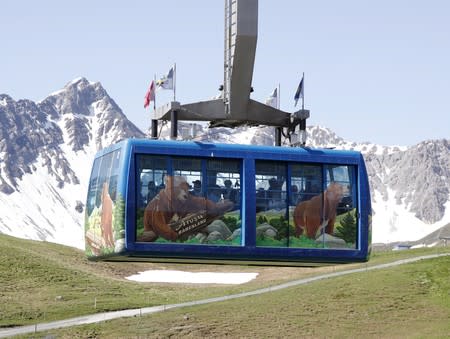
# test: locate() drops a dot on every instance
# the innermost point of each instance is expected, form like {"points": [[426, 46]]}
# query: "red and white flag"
{"points": [[150, 95]]}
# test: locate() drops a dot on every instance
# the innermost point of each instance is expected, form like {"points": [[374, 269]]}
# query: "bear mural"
{"points": [[106, 220], [313, 216], [100, 224], [175, 214]]}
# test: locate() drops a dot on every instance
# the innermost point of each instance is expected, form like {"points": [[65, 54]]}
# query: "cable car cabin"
{"points": [[200, 202]]}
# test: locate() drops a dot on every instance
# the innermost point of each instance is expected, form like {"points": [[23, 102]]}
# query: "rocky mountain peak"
{"points": [[76, 115], [77, 96], [87, 112], [46, 151], [5, 99], [319, 136], [420, 176], [24, 132], [416, 177]]}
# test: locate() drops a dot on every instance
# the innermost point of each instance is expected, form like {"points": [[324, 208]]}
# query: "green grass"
{"points": [[411, 300], [43, 282]]}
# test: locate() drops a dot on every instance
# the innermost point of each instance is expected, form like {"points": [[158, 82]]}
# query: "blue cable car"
{"points": [[203, 202]]}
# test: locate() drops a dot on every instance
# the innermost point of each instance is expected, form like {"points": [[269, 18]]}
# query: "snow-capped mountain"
{"points": [[47, 148], [46, 151], [410, 189]]}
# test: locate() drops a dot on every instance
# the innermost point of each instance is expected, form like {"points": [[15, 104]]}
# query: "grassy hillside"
{"points": [[410, 301], [44, 282]]}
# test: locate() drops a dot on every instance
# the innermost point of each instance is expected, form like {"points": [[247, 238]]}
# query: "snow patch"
{"points": [[36, 202], [171, 276], [392, 222]]}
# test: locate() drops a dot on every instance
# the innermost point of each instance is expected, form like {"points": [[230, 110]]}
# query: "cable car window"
{"points": [[324, 219], [306, 182], [272, 224], [191, 170], [341, 185], [306, 204], [191, 207], [151, 173], [150, 180], [224, 182], [105, 208]]}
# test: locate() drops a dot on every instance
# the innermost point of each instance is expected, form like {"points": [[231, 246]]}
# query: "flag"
{"points": [[166, 82], [150, 95], [300, 92], [272, 100]]}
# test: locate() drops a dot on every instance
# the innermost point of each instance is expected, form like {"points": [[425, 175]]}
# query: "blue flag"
{"points": [[300, 92]]}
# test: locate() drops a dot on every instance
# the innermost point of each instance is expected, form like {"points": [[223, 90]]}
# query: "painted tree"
{"points": [[347, 228], [119, 218]]}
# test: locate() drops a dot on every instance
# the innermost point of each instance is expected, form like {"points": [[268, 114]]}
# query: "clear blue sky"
{"points": [[375, 71]]}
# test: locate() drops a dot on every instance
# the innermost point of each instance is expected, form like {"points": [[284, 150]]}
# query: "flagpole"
{"points": [[303, 122], [154, 99], [174, 80], [303, 96], [154, 121], [279, 97]]}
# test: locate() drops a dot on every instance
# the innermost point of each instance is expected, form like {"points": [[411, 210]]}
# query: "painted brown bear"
{"points": [[175, 202], [308, 214], [93, 241], [106, 222]]}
